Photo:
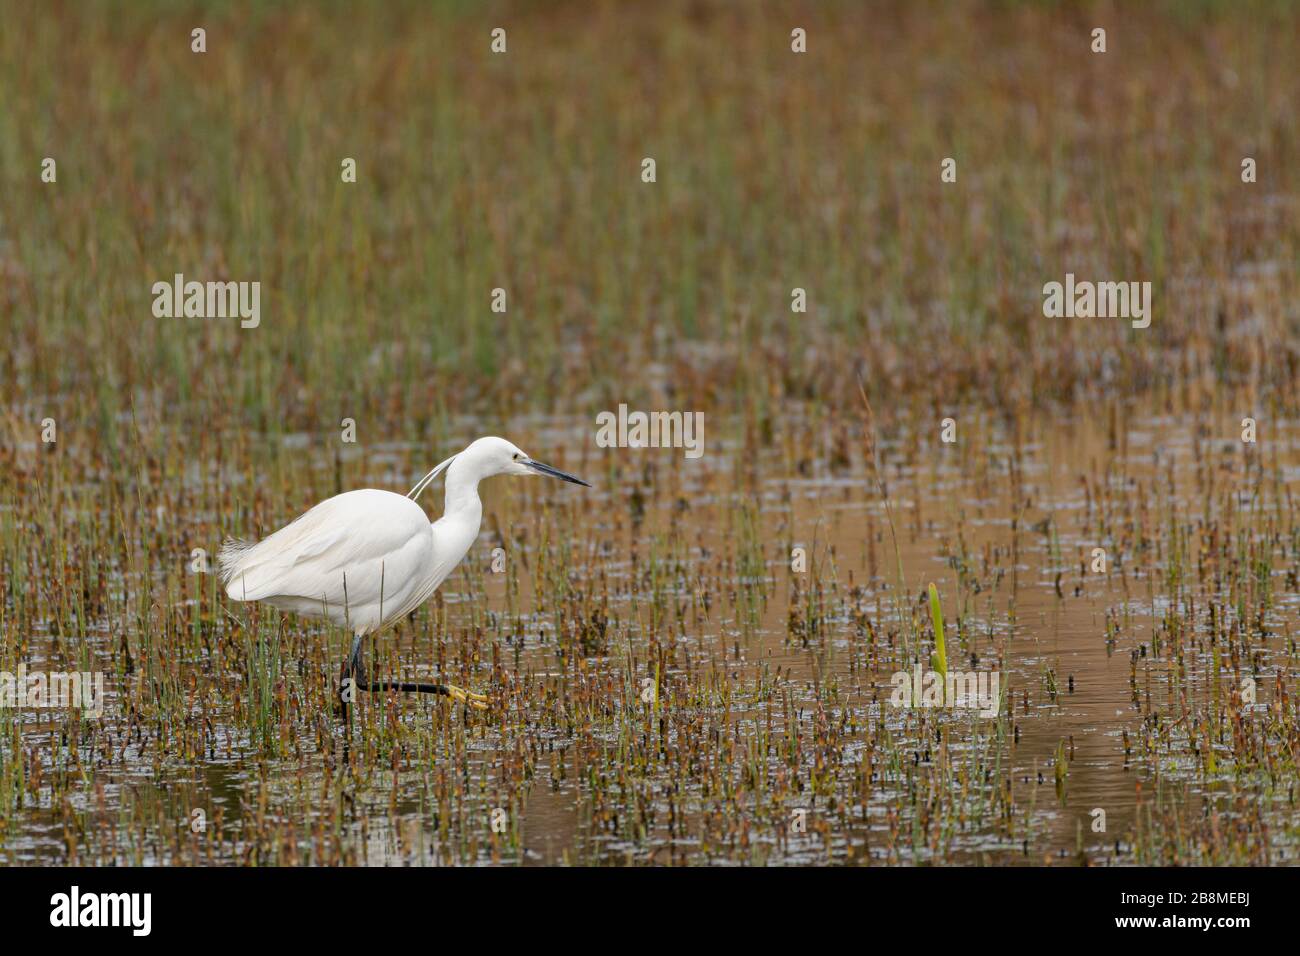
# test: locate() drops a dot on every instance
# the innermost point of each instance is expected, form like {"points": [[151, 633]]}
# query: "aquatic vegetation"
{"points": [[938, 660], [668, 684]]}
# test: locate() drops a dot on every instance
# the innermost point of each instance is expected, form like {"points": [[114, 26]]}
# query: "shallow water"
{"points": [[773, 685]]}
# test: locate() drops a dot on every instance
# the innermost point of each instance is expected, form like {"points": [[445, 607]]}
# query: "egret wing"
{"points": [[376, 538]]}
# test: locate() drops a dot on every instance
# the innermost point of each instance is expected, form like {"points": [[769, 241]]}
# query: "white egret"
{"points": [[367, 558]]}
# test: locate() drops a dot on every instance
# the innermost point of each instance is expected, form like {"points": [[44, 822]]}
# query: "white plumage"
{"points": [[367, 558], [361, 559]]}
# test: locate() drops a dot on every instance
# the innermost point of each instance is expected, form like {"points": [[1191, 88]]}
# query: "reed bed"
{"points": [[667, 686]]}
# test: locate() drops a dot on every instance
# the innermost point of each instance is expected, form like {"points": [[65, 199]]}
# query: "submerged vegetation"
{"points": [[670, 682]]}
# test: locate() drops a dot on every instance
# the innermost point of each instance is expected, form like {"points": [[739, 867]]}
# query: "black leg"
{"points": [[351, 679], [354, 677], [410, 687], [356, 669]]}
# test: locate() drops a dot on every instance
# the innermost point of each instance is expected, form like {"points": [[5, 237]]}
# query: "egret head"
{"points": [[496, 456]]}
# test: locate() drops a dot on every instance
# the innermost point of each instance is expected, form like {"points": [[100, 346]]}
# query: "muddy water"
{"points": [[1021, 518], [697, 559]]}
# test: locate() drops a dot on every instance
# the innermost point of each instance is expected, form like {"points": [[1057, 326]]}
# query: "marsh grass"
{"points": [[521, 172]]}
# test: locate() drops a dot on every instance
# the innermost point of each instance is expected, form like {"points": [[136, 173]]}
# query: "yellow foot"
{"points": [[467, 697]]}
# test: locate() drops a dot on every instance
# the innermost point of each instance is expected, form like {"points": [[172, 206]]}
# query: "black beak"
{"points": [[538, 467]]}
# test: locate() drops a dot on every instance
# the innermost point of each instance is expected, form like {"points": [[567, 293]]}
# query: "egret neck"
{"points": [[454, 533]]}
